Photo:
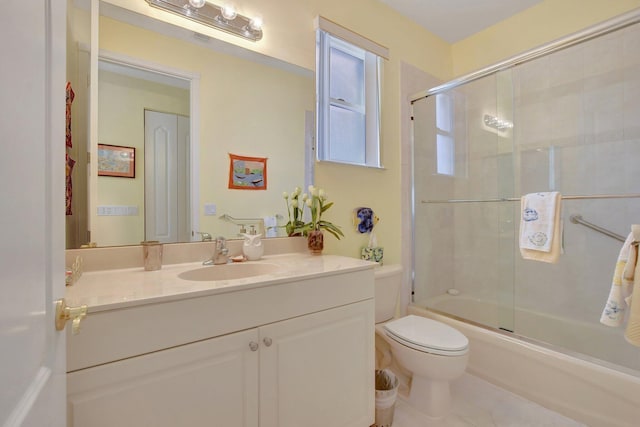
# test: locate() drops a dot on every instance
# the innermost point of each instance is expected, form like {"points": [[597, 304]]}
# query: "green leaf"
{"points": [[325, 207], [326, 225]]}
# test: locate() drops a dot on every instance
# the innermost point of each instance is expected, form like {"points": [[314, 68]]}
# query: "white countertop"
{"points": [[114, 289]]}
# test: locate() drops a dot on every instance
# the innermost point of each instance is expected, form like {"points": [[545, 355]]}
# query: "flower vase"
{"points": [[315, 242]]}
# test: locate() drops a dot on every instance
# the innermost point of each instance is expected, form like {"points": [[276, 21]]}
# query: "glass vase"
{"points": [[315, 242]]}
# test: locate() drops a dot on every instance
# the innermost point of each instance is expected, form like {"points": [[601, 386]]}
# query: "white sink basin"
{"points": [[228, 271]]}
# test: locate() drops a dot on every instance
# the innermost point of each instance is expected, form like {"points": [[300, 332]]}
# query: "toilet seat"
{"points": [[427, 335]]}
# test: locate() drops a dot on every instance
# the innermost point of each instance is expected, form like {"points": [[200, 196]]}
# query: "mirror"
{"points": [[244, 103]]}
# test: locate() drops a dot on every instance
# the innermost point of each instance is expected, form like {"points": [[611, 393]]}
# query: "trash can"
{"points": [[386, 393]]}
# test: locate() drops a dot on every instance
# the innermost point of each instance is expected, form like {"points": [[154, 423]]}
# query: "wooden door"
{"points": [[32, 117], [166, 184]]}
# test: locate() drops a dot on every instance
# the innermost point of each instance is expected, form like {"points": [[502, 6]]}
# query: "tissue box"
{"points": [[372, 254]]}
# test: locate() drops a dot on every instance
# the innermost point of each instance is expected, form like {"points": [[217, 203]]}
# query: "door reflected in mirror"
{"points": [[246, 104]]}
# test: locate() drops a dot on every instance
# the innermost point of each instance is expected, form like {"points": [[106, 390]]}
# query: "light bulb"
{"points": [[197, 3], [256, 23], [228, 12]]}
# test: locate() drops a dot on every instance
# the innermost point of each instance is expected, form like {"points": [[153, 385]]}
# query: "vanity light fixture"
{"points": [[497, 123], [223, 18]]}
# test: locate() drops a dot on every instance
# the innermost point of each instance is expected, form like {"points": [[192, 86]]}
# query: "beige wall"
{"points": [[540, 24], [122, 101]]}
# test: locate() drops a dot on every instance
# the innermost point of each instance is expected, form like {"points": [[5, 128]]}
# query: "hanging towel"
{"points": [[631, 275], [69, 99], [68, 184], [270, 226], [541, 226], [621, 286]]}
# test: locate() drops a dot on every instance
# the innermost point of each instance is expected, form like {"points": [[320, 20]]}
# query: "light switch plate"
{"points": [[209, 209], [117, 210]]}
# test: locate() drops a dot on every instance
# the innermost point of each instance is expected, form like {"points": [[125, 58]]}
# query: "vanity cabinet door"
{"points": [[207, 383], [318, 369]]}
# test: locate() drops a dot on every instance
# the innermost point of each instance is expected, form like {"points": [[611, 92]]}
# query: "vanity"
{"points": [[286, 341]]}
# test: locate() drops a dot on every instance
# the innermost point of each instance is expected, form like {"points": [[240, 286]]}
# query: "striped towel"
{"points": [[626, 283], [615, 308], [632, 274]]}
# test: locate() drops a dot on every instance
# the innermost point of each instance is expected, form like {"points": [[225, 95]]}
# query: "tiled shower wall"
{"points": [[576, 116]]}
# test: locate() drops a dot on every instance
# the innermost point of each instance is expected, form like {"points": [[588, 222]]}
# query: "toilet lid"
{"points": [[427, 335]]}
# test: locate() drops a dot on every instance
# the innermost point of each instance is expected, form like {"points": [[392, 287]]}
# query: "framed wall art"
{"points": [[115, 160], [247, 173]]}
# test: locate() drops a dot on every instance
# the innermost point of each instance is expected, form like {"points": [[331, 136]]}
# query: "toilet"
{"points": [[432, 352]]}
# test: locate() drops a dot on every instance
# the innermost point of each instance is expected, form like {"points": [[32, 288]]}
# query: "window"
{"points": [[348, 90], [445, 145]]}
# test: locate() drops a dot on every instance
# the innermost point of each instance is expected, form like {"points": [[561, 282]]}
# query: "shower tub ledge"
{"points": [[587, 392]]}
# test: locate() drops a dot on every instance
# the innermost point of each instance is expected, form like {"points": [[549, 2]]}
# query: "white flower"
{"points": [[322, 195], [309, 202], [296, 192], [311, 189], [294, 203], [315, 192], [285, 195], [304, 197]]}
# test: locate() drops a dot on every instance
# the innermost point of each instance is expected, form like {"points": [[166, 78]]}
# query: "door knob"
{"points": [[253, 346], [267, 341], [64, 313]]}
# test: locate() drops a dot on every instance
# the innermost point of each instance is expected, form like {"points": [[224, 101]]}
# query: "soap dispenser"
{"points": [[252, 247]]}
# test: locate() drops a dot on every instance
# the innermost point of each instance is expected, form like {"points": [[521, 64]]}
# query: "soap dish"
{"points": [[238, 258]]}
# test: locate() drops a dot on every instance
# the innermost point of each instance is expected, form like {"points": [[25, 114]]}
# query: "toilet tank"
{"points": [[388, 279]]}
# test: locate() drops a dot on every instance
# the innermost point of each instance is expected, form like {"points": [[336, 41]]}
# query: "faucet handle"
{"points": [[206, 237]]}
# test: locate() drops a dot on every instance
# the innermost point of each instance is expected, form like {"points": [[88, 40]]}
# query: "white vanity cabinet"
{"points": [[208, 383], [316, 370], [294, 354]]}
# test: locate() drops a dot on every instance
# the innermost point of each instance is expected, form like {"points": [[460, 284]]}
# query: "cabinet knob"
{"points": [[253, 346], [267, 341]]}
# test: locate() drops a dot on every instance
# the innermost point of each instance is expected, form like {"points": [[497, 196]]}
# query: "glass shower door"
{"points": [[463, 168]]}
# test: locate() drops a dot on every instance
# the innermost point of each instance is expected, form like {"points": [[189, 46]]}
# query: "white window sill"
{"points": [[336, 162]]}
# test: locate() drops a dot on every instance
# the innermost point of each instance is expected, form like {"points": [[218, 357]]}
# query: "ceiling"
{"points": [[454, 20]]}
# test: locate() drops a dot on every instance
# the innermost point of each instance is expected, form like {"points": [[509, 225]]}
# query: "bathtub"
{"points": [[588, 392]]}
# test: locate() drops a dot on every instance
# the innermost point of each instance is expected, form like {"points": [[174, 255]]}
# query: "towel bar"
{"points": [[517, 199], [577, 219]]}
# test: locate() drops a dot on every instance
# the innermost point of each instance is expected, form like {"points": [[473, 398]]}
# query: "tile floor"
{"points": [[478, 403]]}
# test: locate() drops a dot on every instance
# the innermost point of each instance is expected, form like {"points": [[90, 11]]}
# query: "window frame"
{"points": [[371, 99], [448, 134]]}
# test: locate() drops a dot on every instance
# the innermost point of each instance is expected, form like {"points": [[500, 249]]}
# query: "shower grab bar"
{"points": [[517, 199], [577, 219]]}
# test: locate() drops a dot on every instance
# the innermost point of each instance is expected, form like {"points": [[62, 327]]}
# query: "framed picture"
{"points": [[114, 160], [247, 173]]}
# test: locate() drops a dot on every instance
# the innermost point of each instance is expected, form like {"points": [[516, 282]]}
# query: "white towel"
{"points": [[614, 310], [541, 226], [270, 226], [631, 274]]}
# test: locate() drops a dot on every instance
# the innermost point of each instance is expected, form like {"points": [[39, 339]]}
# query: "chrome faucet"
{"points": [[206, 237], [220, 253]]}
